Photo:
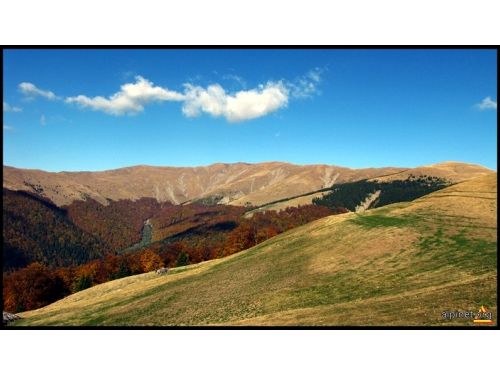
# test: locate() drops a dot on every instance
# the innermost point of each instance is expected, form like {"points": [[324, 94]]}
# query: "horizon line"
{"points": [[242, 162]]}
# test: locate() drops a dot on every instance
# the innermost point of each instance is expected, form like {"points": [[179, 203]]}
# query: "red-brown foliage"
{"points": [[172, 220], [118, 224], [32, 287], [150, 261]]}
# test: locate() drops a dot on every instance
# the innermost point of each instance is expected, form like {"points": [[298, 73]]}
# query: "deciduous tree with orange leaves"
{"points": [[32, 287], [151, 261]]}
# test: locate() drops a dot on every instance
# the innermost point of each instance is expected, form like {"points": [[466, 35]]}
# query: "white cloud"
{"points": [[240, 106], [196, 100], [8, 108], [306, 86], [31, 90], [315, 75], [43, 120], [129, 100], [487, 103], [214, 100], [7, 127]]}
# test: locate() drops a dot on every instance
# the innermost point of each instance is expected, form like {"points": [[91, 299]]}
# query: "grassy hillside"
{"points": [[450, 170], [402, 264], [282, 204]]}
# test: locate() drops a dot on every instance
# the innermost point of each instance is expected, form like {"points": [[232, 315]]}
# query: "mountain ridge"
{"points": [[234, 183]]}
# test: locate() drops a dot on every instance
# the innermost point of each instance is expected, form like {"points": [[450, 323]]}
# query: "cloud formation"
{"points": [[32, 91], [213, 100], [7, 127], [196, 100], [8, 108], [487, 103], [43, 120], [240, 106], [129, 100], [307, 85]]}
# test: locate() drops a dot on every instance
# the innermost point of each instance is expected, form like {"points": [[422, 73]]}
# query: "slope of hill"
{"points": [[237, 183], [451, 171], [282, 204], [38, 231], [402, 264]]}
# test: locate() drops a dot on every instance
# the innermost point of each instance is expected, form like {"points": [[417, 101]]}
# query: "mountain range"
{"points": [[222, 183]]}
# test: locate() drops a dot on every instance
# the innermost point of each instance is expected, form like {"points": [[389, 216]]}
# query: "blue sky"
{"points": [[96, 109]]}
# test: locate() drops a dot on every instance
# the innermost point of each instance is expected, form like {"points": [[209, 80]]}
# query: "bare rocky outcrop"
{"points": [[9, 317]]}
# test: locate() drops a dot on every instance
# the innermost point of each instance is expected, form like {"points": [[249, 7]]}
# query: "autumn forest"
{"points": [[51, 252]]}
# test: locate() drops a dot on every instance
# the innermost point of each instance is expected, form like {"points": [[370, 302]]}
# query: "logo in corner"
{"points": [[483, 316]]}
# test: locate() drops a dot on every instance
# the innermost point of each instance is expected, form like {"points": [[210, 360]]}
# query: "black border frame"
{"points": [[251, 47]]}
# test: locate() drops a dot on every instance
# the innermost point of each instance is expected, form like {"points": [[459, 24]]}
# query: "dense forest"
{"points": [[350, 195], [35, 230], [171, 220], [118, 224]]}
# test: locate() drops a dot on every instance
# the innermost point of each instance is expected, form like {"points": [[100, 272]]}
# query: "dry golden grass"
{"points": [[453, 171], [294, 202], [401, 264]]}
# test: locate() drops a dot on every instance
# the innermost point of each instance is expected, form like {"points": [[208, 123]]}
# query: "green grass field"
{"points": [[402, 264]]}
